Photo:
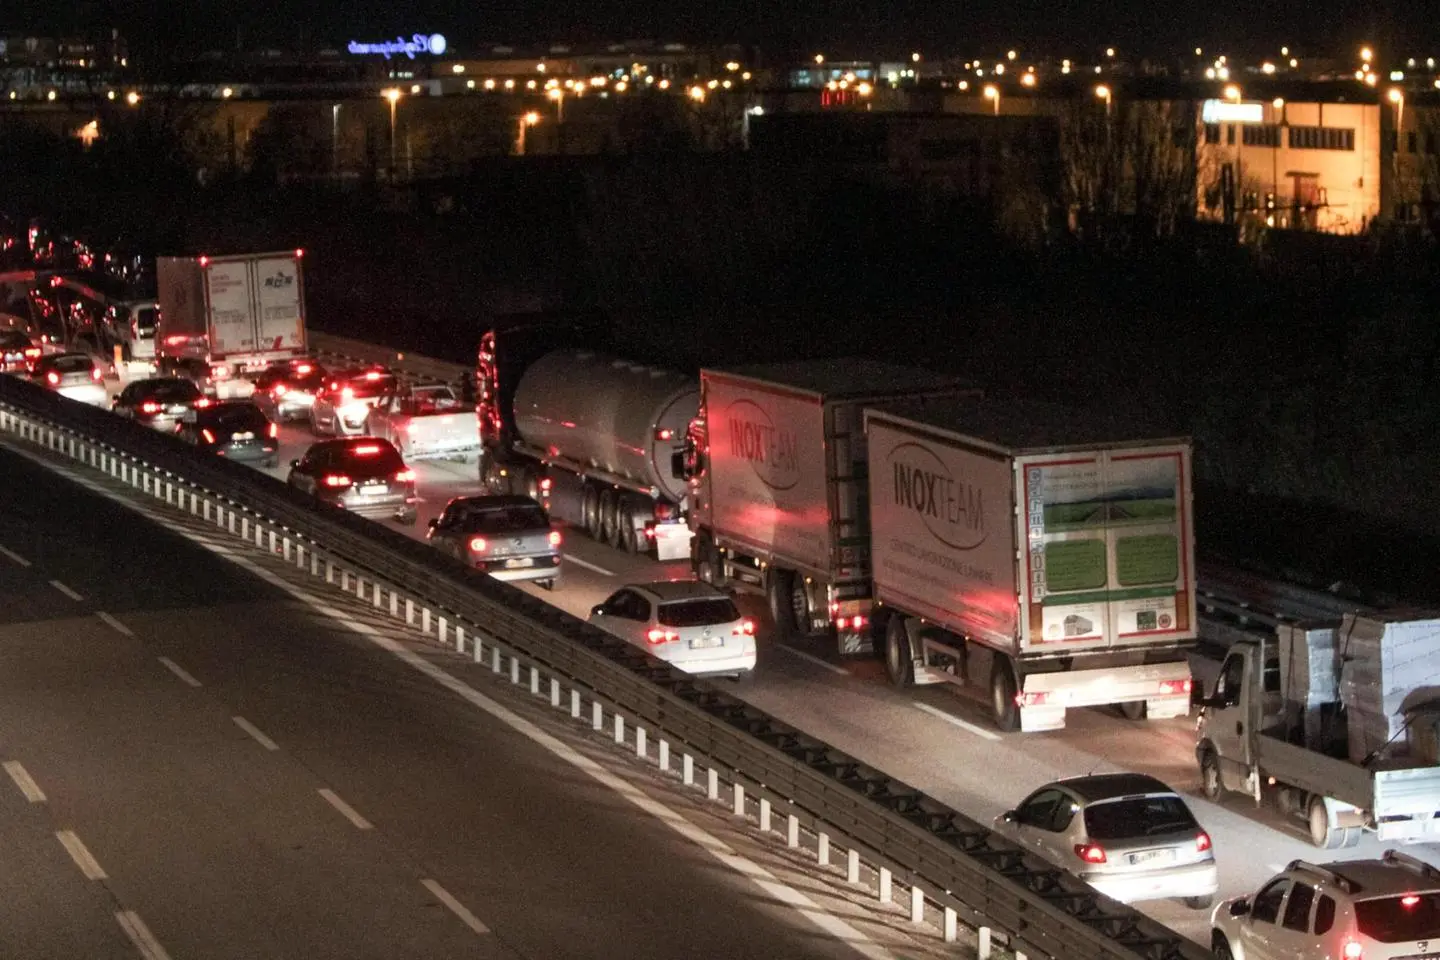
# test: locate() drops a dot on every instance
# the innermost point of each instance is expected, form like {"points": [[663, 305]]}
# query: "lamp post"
{"points": [[393, 95], [1232, 93], [526, 122], [1397, 97], [1106, 94], [1278, 104], [335, 139], [558, 96], [992, 92]]}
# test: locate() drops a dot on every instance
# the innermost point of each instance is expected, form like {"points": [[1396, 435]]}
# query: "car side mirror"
{"points": [[1240, 908], [294, 464], [1008, 816], [598, 610]]}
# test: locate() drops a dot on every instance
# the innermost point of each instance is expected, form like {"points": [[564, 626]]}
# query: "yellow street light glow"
{"points": [[726, 84], [555, 93], [621, 86], [744, 76], [914, 58], [469, 84], [732, 66], [531, 118], [490, 84], [510, 84], [1011, 55], [713, 84], [458, 68], [414, 88], [864, 89], [1366, 54], [1103, 92], [1278, 103], [819, 58], [1395, 95], [1028, 80], [132, 98], [964, 84], [999, 69], [1199, 52], [664, 84], [1209, 73], [1294, 63], [1267, 68], [598, 81], [539, 68], [1284, 51], [992, 92], [1109, 51], [697, 93], [530, 84], [1232, 92], [1370, 79], [50, 95], [227, 93], [109, 95]]}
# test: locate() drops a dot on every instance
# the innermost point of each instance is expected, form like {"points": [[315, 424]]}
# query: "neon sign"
{"points": [[433, 44]]}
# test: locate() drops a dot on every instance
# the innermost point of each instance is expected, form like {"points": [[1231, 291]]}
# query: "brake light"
{"points": [[279, 390], [202, 402], [856, 622], [366, 449], [405, 476], [664, 511], [745, 629], [299, 253], [95, 374], [204, 261], [1174, 688], [346, 394], [220, 372], [176, 339], [1090, 852], [32, 351], [658, 636], [336, 480], [274, 431], [1202, 842], [149, 406], [1410, 900], [1352, 950], [650, 533], [478, 544], [374, 375], [209, 437], [545, 484], [52, 377], [1037, 700], [664, 433], [303, 368], [555, 538]]}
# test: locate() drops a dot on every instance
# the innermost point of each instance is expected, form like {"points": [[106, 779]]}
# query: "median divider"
{"points": [[952, 870]]}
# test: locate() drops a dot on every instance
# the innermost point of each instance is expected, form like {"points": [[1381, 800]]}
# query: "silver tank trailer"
{"points": [[608, 414]]}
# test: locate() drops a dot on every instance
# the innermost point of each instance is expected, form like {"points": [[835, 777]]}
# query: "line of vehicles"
{"points": [[1032, 555]]}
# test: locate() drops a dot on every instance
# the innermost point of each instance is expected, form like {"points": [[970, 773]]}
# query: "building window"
{"points": [[1212, 133], [1410, 139], [1322, 138], [1429, 142], [1266, 135]]}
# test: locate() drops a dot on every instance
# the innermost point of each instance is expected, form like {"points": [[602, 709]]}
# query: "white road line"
{"points": [[66, 590], [346, 811], [180, 672], [24, 781], [114, 624], [254, 731], [456, 907], [814, 659], [852, 937], [81, 854], [141, 936], [14, 557], [956, 721], [588, 565]]}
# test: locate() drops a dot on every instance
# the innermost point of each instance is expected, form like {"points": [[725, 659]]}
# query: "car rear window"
{"points": [[72, 365], [247, 417], [1138, 817], [370, 459], [173, 391], [362, 389], [506, 519], [1415, 916], [700, 612]]}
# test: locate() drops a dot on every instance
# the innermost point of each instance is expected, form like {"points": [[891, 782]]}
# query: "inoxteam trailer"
{"points": [[1039, 555]]}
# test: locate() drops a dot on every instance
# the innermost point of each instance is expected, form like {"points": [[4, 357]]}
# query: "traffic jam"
{"points": [[853, 508]]}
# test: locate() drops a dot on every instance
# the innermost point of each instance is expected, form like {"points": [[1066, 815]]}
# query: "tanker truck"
{"points": [[593, 437]]}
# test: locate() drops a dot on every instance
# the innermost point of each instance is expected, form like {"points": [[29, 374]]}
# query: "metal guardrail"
{"points": [[949, 862]]}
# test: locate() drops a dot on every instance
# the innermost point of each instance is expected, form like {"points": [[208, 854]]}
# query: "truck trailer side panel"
{"points": [[229, 289], [767, 457]]}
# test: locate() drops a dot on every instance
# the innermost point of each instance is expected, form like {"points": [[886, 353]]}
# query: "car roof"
{"points": [[1110, 786], [667, 591], [1380, 878], [497, 500]]}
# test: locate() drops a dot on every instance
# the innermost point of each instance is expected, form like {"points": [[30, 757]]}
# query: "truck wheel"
{"points": [[899, 666], [1350, 836], [1004, 711], [1322, 834], [590, 512], [1133, 710], [778, 589], [1211, 783], [707, 562], [622, 518], [607, 516], [633, 540]]}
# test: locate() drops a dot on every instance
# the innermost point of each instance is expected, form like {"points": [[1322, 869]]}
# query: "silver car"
{"points": [[1126, 834], [691, 625], [72, 375], [508, 537]]}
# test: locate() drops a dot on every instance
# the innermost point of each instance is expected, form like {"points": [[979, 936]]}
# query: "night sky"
{"points": [[1066, 27]]}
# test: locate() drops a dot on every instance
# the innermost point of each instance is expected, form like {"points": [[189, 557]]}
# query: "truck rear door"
{"points": [[230, 299], [280, 303]]}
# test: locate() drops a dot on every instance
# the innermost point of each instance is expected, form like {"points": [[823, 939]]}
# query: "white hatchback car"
{"points": [[690, 625]]}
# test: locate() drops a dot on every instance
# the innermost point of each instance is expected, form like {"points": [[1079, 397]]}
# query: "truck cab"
{"points": [[1237, 708]]}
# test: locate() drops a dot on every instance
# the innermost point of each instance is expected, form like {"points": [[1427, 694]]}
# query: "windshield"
{"points": [[1415, 916], [514, 519], [701, 612], [145, 321], [431, 401], [1138, 817]]}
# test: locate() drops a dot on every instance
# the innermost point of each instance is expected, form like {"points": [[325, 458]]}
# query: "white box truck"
{"points": [[223, 318], [1041, 556], [777, 469]]}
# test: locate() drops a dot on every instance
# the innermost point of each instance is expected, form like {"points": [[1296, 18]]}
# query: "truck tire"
{"points": [[590, 511], [778, 589], [707, 562], [1212, 785], [899, 665], [1004, 711], [1322, 834], [632, 541], [1133, 710], [607, 516], [623, 516]]}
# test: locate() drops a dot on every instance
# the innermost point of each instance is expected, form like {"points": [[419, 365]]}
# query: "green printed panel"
{"points": [[1154, 558], [1074, 565]]}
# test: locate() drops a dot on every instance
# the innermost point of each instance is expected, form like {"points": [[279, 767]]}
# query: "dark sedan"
{"points": [[162, 402], [364, 475], [235, 429]]}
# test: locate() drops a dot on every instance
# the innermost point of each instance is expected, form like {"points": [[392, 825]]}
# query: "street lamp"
{"points": [[1232, 92], [992, 92], [393, 95], [558, 95], [527, 121], [1397, 97], [132, 98], [697, 93], [1104, 93], [335, 138]]}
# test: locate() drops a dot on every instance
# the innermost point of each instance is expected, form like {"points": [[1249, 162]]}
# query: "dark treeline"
{"points": [[1304, 366]]}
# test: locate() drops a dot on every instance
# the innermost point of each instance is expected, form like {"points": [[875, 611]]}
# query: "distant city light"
{"points": [[1366, 54], [697, 93], [470, 84], [1267, 68], [1284, 51], [490, 84], [1109, 51], [732, 66], [1232, 92], [132, 98], [227, 93], [819, 58], [1199, 52], [457, 68], [1028, 80], [1011, 55], [864, 89], [914, 58]]}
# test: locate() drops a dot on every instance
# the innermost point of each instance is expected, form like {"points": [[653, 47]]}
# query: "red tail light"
{"points": [[202, 403], [96, 375], [478, 544], [32, 351], [555, 538], [366, 450], [374, 375], [1352, 950], [209, 437], [650, 533], [1090, 852], [279, 390], [303, 368], [745, 629], [52, 377], [175, 339], [1036, 700], [1174, 688], [274, 431], [1202, 842], [664, 511], [149, 406], [658, 636], [545, 484], [664, 433], [336, 480], [1410, 900], [405, 476]]}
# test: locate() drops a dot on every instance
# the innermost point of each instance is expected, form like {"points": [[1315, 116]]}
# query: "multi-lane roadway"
{"points": [[933, 738], [203, 757]]}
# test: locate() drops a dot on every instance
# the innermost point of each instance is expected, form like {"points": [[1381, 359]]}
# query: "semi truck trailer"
{"points": [[1040, 557], [591, 436], [777, 470]]}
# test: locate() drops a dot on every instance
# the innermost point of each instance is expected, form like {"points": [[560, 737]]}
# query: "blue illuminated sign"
{"points": [[433, 43]]}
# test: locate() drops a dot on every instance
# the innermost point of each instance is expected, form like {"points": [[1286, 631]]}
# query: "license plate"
{"points": [[176, 408], [704, 643], [374, 490], [1152, 856], [256, 367], [520, 562], [247, 435]]}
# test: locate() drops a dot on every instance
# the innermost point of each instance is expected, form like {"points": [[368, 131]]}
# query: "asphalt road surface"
{"points": [[205, 761]]}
